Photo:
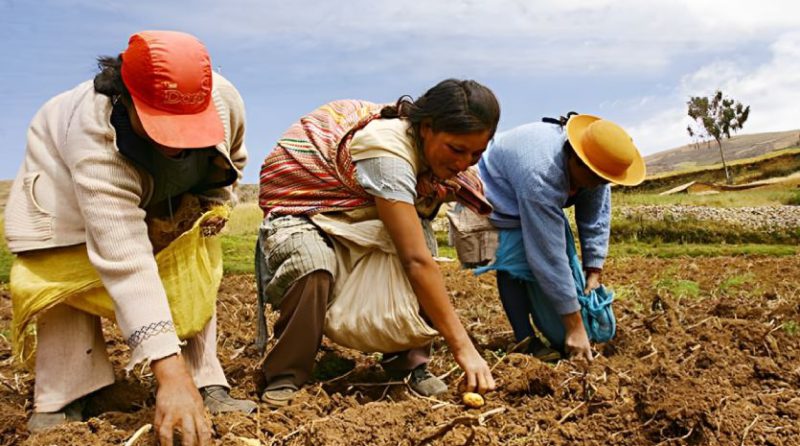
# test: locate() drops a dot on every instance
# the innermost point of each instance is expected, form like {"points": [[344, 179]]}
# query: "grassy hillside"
{"points": [[738, 147], [247, 193], [5, 187], [776, 164], [766, 196], [5, 256]]}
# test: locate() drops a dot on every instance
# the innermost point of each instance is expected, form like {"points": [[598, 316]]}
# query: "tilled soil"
{"points": [[707, 353]]}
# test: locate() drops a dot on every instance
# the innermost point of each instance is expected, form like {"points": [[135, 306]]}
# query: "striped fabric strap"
{"points": [[311, 171]]}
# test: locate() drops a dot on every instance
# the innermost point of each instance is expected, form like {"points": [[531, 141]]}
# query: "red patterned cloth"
{"points": [[311, 171]]}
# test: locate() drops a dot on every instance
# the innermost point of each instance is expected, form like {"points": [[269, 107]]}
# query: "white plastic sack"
{"points": [[373, 307]]}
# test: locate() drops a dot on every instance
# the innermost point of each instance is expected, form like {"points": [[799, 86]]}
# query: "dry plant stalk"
{"points": [[465, 420], [141, 431]]}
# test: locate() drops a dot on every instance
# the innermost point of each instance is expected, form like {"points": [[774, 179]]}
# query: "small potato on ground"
{"points": [[471, 399]]}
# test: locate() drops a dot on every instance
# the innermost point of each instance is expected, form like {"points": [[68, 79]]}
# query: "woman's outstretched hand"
{"points": [[477, 374]]}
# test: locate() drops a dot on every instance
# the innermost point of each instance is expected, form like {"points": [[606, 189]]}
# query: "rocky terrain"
{"points": [[761, 217]]}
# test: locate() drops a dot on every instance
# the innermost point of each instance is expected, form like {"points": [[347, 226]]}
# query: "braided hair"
{"points": [[452, 106]]}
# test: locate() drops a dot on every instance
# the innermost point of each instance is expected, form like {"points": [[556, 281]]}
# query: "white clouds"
{"points": [[519, 36], [634, 61], [772, 90], [686, 20], [744, 15]]}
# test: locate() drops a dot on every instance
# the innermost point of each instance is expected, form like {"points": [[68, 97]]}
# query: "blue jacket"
{"points": [[525, 176]]}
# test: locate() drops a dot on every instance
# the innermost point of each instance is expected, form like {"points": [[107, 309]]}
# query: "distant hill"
{"points": [[247, 193], [738, 147], [764, 168]]}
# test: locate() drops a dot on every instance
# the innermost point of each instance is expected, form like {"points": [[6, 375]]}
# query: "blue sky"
{"points": [[634, 62]]}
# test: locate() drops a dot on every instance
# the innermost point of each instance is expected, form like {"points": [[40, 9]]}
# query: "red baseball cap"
{"points": [[168, 75]]}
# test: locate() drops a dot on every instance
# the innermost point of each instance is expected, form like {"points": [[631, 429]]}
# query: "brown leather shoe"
{"points": [[218, 400]]}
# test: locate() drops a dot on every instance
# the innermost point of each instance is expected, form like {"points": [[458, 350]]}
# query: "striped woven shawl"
{"points": [[311, 171]]}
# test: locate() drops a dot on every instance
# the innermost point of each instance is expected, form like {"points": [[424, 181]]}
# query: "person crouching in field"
{"points": [[531, 173], [346, 243], [101, 161]]}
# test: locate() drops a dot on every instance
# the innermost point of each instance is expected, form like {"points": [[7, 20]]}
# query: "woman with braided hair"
{"points": [[390, 168]]}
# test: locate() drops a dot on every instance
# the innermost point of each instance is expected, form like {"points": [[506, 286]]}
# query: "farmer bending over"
{"points": [[531, 173], [385, 169], [101, 158]]}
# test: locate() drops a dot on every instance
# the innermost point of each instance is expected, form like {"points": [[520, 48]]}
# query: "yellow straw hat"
{"points": [[606, 149]]}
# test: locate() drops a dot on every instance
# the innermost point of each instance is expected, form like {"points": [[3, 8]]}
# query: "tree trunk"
{"points": [[728, 179]]}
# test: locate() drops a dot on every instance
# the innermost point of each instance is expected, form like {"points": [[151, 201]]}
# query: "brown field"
{"points": [[707, 353]]}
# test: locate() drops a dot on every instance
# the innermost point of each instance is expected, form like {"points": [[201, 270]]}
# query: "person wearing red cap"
{"points": [[154, 124]]}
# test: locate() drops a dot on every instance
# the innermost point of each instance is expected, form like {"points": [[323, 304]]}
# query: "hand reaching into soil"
{"points": [[576, 342], [477, 374], [178, 404]]}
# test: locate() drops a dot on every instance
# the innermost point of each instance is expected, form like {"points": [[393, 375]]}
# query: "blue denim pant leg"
{"points": [[546, 318], [514, 296]]}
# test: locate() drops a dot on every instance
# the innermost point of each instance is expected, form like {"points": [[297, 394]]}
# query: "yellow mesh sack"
{"points": [[190, 269]]}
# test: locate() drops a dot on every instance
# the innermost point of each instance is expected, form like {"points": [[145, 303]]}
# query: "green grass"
{"points": [[239, 239], [735, 282], [629, 293], [447, 251], [673, 250], [686, 229], [6, 258], [793, 199], [679, 287], [245, 219], [763, 196], [625, 292], [692, 230], [791, 328], [774, 164], [238, 253], [718, 166]]}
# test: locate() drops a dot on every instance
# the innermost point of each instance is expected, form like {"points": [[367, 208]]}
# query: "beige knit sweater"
{"points": [[75, 187]]}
